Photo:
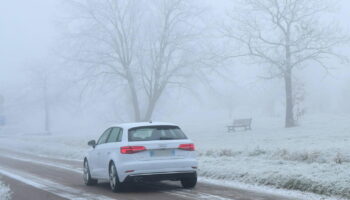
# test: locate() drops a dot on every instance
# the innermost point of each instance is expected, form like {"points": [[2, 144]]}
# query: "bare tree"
{"points": [[124, 46], [40, 83], [106, 41], [169, 51], [283, 35]]}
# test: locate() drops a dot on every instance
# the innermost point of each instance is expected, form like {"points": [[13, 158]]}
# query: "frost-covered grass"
{"points": [[60, 146], [313, 157], [5, 192]]}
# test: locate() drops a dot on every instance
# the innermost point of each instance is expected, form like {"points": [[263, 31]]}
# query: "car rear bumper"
{"points": [[160, 176], [157, 167]]}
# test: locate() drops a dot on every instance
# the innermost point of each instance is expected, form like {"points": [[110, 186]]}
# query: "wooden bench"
{"points": [[240, 123]]}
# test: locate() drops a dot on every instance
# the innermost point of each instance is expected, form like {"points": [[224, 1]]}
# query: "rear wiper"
{"points": [[166, 138]]}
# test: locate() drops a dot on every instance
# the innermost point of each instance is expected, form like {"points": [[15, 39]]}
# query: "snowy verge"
{"points": [[321, 178], [265, 189], [5, 192]]}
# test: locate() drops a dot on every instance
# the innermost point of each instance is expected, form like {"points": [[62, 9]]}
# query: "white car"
{"points": [[144, 151]]}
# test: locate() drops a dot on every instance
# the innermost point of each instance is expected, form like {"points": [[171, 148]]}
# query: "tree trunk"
{"points": [[135, 101], [47, 111], [290, 122], [152, 105], [133, 93], [288, 84], [150, 109], [47, 120]]}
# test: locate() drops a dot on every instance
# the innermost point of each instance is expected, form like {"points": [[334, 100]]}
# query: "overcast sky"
{"points": [[28, 30], [26, 34]]}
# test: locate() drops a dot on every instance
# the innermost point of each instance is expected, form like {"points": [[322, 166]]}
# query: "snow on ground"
{"points": [[5, 192], [314, 157]]}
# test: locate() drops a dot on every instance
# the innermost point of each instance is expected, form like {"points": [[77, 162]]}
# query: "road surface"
{"points": [[34, 178]]}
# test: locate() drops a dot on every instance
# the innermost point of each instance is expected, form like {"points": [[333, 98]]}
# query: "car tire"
{"points": [[87, 176], [114, 179], [189, 182]]}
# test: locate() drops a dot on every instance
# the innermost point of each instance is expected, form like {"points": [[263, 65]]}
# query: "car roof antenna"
{"points": [[150, 121]]}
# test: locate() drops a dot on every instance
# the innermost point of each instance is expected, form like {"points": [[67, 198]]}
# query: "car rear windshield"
{"points": [[149, 133]]}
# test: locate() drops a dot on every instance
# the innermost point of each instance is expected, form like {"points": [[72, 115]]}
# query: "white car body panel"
{"points": [[160, 157]]}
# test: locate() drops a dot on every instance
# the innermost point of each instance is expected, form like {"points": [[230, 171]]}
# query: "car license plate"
{"points": [[162, 153]]}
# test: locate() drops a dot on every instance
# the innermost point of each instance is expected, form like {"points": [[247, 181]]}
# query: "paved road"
{"points": [[34, 178]]}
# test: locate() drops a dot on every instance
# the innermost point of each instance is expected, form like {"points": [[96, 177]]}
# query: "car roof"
{"points": [[140, 124]]}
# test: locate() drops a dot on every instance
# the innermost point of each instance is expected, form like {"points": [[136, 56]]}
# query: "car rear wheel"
{"points": [[189, 182], [87, 176], [114, 179]]}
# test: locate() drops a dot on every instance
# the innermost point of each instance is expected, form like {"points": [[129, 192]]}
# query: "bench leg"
{"points": [[230, 129]]}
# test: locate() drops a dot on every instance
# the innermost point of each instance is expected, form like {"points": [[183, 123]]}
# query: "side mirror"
{"points": [[92, 143]]}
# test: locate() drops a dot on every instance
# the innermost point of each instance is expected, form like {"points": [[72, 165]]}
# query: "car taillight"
{"points": [[132, 149], [187, 147]]}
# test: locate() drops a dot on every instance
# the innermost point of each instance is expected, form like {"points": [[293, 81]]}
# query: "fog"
{"points": [[260, 88], [37, 70]]}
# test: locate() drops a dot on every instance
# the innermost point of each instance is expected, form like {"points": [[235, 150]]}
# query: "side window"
{"points": [[116, 135], [119, 139], [104, 137]]}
